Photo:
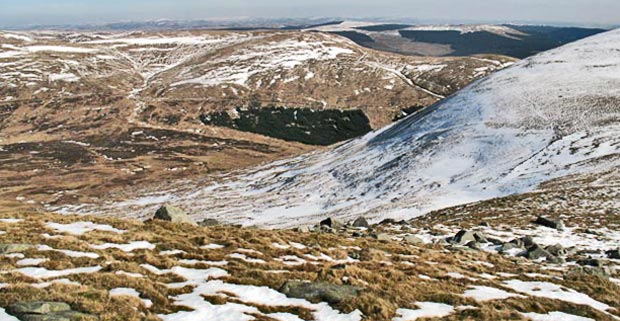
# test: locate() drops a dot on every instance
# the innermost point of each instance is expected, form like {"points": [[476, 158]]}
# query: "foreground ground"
{"points": [[107, 268]]}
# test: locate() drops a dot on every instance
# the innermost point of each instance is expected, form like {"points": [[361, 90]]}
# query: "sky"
{"points": [[19, 13]]}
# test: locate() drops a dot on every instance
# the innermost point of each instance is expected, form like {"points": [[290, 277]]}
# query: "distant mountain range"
{"points": [[519, 41]]}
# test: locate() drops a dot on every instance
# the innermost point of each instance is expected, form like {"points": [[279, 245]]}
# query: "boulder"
{"points": [[332, 223], [613, 254], [536, 252], [38, 307], [173, 214], [361, 222], [527, 241], [209, 222], [556, 224], [480, 238], [590, 262], [557, 250], [47, 311], [412, 239], [319, 291], [464, 237], [14, 248], [473, 245]]}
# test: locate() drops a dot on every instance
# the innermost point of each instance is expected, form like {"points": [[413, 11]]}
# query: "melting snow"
{"points": [[43, 273], [554, 291], [80, 228], [426, 310], [555, 316], [485, 293], [137, 245]]}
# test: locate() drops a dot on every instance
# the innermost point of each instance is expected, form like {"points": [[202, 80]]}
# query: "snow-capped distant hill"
{"points": [[553, 115], [518, 41]]}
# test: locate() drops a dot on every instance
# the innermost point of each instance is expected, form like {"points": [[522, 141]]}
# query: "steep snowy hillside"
{"points": [[553, 115]]}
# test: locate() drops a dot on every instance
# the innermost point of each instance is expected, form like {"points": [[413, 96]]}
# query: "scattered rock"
{"points": [[47, 311], [536, 252], [590, 262], [209, 222], [556, 224], [388, 221], [464, 237], [527, 241], [557, 250], [332, 223], [361, 222], [473, 245], [319, 291], [613, 254], [480, 238], [577, 271], [14, 248], [173, 214], [412, 239]]}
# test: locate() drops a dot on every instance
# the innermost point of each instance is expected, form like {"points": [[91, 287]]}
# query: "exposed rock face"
{"points": [[311, 291], [173, 214]]}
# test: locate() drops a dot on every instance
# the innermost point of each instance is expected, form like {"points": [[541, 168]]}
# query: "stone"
{"points": [[47, 311], [332, 223], [473, 245], [464, 237], [412, 239], [37, 307], [527, 241], [61, 316], [14, 248], [319, 291], [557, 250], [613, 254], [590, 262], [480, 238], [388, 221], [361, 222], [536, 252], [173, 214], [209, 222], [556, 224]]}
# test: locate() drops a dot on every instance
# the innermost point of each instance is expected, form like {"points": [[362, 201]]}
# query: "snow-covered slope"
{"points": [[553, 115]]}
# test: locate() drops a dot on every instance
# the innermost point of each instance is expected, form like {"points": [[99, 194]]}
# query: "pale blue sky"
{"points": [[581, 12]]}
